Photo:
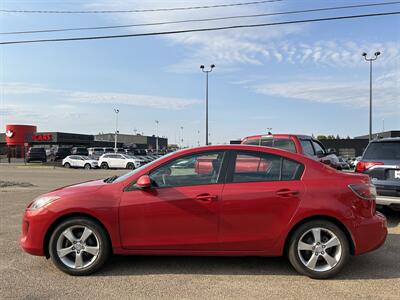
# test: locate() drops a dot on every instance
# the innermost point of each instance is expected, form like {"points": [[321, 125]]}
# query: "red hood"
{"points": [[88, 186]]}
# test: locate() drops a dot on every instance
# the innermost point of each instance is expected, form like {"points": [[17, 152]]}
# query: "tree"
{"points": [[321, 137]]}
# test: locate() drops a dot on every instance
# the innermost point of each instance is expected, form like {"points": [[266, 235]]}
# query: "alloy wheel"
{"points": [[319, 249], [78, 247]]}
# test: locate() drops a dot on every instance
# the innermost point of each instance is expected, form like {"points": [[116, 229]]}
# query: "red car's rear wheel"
{"points": [[318, 249]]}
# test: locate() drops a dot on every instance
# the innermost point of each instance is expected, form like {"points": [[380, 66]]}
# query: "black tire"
{"points": [[294, 256], [130, 166], [87, 166], [103, 241], [104, 165], [67, 165]]}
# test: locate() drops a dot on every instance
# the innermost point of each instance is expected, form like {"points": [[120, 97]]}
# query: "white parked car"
{"points": [[79, 161], [117, 160]]}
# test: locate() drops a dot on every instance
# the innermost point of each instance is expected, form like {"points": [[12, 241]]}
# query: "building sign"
{"points": [[42, 137], [9, 133]]}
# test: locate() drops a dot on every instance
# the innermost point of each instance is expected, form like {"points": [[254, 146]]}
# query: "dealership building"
{"points": [[17, 139]]}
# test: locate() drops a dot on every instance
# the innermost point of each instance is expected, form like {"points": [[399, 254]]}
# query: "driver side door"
{"points": [[180, 211]]}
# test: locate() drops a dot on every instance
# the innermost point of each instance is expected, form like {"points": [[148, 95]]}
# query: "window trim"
{"points": [[232, 163]]}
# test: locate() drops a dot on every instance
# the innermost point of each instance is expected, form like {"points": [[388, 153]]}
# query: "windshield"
{"points": [[383, 150]]}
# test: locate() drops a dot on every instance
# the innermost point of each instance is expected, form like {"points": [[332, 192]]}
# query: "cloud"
{"points": [[354, 94], [152, 101], [231, 49], [228, 48]]}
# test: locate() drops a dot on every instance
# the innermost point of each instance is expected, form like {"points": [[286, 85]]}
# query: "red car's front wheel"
{"points": [[79, 246]]}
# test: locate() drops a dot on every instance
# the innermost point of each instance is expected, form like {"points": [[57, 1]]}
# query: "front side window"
{"points": [[255, 167], [197, 169], [307, 147], [318, 147]]}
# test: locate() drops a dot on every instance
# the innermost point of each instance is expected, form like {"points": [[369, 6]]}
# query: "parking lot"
{"points": [[22, 276]]}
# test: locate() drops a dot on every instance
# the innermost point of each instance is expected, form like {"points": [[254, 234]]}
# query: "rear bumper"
{"points": [[387, 200], [371, 234]]}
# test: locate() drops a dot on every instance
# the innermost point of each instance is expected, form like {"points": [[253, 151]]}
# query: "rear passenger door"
{"points": [[261, 194]]}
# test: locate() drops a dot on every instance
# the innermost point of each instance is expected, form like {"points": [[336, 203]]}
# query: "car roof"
{"points": [[242, 147], [280, 135], [393, 139]]}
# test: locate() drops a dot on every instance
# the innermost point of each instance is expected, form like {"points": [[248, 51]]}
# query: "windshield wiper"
{"points": [[110, 179]]}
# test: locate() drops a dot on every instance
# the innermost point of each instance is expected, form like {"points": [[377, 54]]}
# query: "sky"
{"points": [[305, 78]]}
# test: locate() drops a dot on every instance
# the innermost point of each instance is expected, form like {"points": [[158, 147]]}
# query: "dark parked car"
{"points": [[62, 153], [83, 151], [36, 154], [381, 161]]}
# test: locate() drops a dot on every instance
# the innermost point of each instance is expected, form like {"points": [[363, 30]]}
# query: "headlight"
{"points": [[42, 201]]}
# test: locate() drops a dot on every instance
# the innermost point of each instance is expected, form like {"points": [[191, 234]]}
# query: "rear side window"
{"points": [[284, 144], [252, 142], [383, 150], [256, 167]]}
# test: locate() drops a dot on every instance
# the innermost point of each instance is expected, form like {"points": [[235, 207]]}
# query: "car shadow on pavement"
{"points": [[383, 263]]}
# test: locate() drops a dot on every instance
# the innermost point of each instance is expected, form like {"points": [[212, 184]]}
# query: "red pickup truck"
{"points": [[302, 144]]}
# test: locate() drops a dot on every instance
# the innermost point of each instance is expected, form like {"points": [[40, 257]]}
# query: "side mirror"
{"points": [[143, 182], [331, 151]]}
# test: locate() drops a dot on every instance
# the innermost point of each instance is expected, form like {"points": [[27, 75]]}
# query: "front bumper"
{"points": [[370, 234], [34, 227]]}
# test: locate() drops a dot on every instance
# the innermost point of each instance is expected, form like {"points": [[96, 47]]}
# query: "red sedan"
{"points": [[275, 203]]}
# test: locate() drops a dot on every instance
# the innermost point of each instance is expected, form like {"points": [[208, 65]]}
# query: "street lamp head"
{"points": [[202, 67], [364, 54], [377, 53], [212, 66]]}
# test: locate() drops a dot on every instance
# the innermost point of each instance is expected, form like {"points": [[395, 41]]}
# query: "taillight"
{"points": [[366, 191], [365, 165]]}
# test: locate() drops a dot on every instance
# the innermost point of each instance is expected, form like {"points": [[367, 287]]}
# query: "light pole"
{"points": [[181, 137], [198, 138], [157, 136], [207, 71], [116, 129], [370, 60]]}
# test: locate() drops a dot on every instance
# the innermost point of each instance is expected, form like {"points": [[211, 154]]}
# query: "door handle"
{"points": [[206, 197], [287, 192]]}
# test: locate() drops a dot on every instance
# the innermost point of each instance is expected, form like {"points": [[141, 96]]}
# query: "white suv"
{"points": [[117, 160], [79, 161]]}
